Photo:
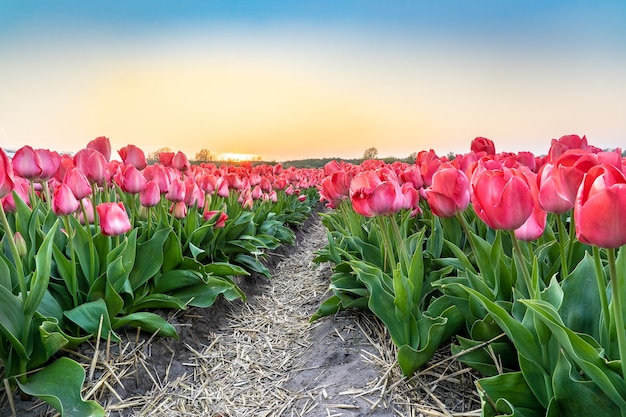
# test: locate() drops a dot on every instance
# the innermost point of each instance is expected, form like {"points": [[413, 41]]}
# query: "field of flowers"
{"points": [[514, 257], [92, 245]]}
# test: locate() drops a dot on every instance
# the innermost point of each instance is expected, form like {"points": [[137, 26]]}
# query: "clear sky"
{"points": [[289, 79]]}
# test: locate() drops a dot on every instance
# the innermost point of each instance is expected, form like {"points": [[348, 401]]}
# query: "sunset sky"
{"points": [[296, 79]]}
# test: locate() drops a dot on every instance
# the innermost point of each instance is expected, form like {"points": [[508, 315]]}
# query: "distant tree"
{"points": [[154, 156], [412, 156], [370, 153], [204, 156]]}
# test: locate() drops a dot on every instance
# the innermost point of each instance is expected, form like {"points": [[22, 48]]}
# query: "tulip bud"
{"points": [[20, 243]]}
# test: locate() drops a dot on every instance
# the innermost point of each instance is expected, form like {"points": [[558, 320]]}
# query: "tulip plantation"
{"points": [[513, 260]]}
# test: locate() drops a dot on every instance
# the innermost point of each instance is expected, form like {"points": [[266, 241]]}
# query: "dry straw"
{"points": [[248, 366]]}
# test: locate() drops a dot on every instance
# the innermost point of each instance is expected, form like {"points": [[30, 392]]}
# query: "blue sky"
{"points": [[289, 79]]}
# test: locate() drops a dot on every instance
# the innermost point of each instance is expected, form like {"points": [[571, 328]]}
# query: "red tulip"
{"points": [[102, 145], [113, 219], [132, 155], [449, 193], [600, 207], [26, 163], [150, 196], [501, 198], [63, 201]]}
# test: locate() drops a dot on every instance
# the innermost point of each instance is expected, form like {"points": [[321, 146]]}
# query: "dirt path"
{"points": [[264, 358]]}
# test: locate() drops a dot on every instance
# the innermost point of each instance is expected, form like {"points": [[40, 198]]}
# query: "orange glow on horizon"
{"points": [[238, 157]]}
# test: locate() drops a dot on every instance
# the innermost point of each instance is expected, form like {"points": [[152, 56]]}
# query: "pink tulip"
{"points": [[133, 181], [50, 163], [218, 216], [194, 196], [534, 226], [564, 144], [449, 193], [150, 196], [256, 192], [372, 196], [63, 201], [179, 209], [180, 162], [26, 163], [113, 219], [335, 188], [483, 145], [165, 158], [78, 183], [176, 191], [88, 211], [600, 207], [502, 198], [132, 155], [102, 145], [222, 187], [21, 188], [93, 164]]}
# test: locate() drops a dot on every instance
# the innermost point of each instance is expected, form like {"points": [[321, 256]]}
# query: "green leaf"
{"points": [[12, 320], [120, 262], [177, 279], [41, 276], [204, 295], [224, 269], [172, 252], [149, 258], [585, 355], [510, 395], [580, 309], [59, 384], [576, 395], [148, 322], [431, 330], [88, 315], [252, 263], [153, 301], [329, 307], [89, 264]]}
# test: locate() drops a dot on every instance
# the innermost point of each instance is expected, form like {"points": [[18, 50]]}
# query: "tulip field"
{"points": [[513, 260]]}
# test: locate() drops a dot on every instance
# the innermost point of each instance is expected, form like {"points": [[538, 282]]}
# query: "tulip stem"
{"points": [[15, 253], [617, 310], [72, 284], [563, 237], [517, 251], [388, 247], [604, 335], [470, 235], [401, 243]]}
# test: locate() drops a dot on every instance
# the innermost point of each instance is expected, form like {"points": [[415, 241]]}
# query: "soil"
{"points": [[262, 357]]}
